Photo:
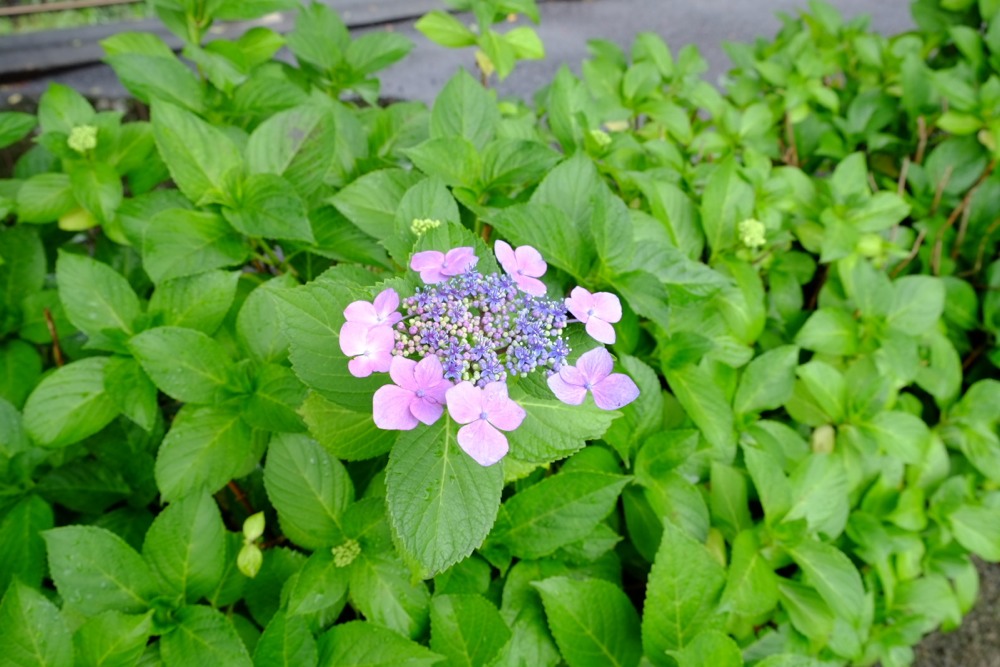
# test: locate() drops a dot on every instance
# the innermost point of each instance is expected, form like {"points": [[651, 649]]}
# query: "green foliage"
{"points": [[806, 261]]}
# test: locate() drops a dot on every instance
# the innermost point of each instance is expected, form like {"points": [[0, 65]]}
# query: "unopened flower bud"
{"points": [[870, 245], [421, 226], [823, 439], [345, 554], [752, 233], [601, 138], [253, 527], [83, 138], [250, 559]]}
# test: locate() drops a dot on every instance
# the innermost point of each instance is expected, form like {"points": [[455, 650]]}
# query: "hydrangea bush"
{"points": [[643, 372]]}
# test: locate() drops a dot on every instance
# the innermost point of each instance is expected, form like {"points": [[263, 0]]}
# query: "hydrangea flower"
{"points": [[525, 265], [381, 312], [463, 335], [370, 347], [597, 311], [484, 412], [435, 267], [593, 373], [418, 395]]}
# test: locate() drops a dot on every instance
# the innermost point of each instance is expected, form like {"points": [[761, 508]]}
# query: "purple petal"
{"points": [[530, 285], [426, 409], [502, 412], [458, 261], [386, 302], [362, 312], [530, 262], [381, 339], [571, 394], [600, 330], [353, 338], [465, 402], [607, 307], [360, 367], [381, 360], [401, 371], [595, 365], [572, 375], [482, 442], [429, 259], [505, 255], [428, 372], [580, 301], [391, 408], [615, 391]]}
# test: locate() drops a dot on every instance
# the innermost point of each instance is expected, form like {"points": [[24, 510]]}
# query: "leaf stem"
{"points": [[50, 324]]}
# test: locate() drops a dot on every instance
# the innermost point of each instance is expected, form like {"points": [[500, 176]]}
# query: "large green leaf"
{"points": [[269, 207], [96, 298], [361, 644], [22, 550], [767, 382], [203, 636], [180, 242], [385, 592], [705, 403], [184, 363], [751, 585], [442, 504], [467, 629], [199, 301], [32, 631], [70, 404], [286, 642], [345, 433], [297, 144], [371, 201], [465, 109], [834, 576], [112, 639]]}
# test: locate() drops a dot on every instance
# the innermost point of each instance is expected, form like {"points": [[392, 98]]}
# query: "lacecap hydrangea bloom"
{"points": [[463, 335]]}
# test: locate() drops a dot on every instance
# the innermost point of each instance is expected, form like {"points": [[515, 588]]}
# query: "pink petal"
{"points": [[362, 312], [391, 408], [572, 375], [428, 372], [482, 442], [579, 302], [595, 365], [465, 402], [607, 307], [502, 412], [529, 285], [600, 330], [381, 360], [615, 391], [427, 409], [386, 302], [353, 338], [429, 259], [530, 262], [381, 338], [458, 261], [505, 255], [571, 394], [360, 367], [401, 371]]}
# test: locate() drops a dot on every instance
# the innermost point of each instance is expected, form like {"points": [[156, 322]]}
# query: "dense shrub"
{"points": [[807, 266]]}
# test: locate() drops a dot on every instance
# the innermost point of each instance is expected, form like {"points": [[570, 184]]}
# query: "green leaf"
{"points": [[444, 29], [184, 363], [978, 530], [465, 109], [185, 546], [98, 188], [255, 324], [15, 126], [269, 207], [550, 231], [131, 391], [276, 397], [592, 620], [751, 586], [319, 38], [95, 570], [829, 331], [286, 642], [807, 611], [61, 108], [901, 435], [20, 368], [203, 636], [112, 639], [819, 494], [681, 595], [374, 51], [320, 586], [311, 317], [310, 490], [646, 294], [197, 154], [510, 163], [96, 299], [455, 160], [729, 500], [206, 447], [45, 198], [467, 629], [70, 404], [385, 592], [710, 647], [181, 243], [199, 302], [826, 385], [22, 551], [361, 644], [918, 304], [22, 269], [706, 405], [834, 576], [553, 430], [32, 631], [727, 200], [442, 504], [557, 511], [347, 434], [767, 381], [773, 488], [371, 201], [296, 145]]}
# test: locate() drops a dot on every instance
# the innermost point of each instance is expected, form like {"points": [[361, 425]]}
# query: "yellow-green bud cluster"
{"points": [[752, 233], [83, 138], [345, 554], [421, 226]]}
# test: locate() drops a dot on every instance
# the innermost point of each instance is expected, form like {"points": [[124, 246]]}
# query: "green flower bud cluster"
{"points": [[344, 554], [752, 233], [83, 138], [421, 226]]}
